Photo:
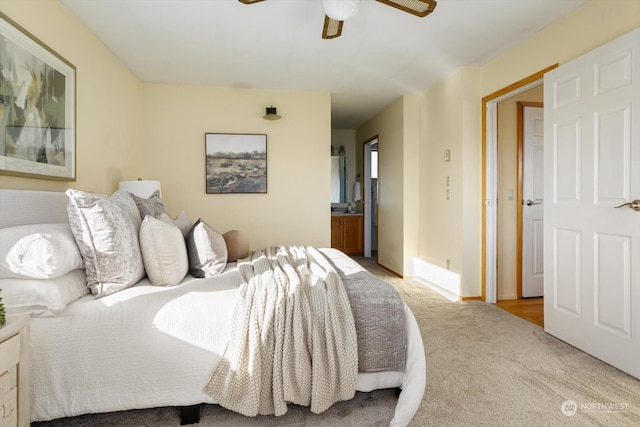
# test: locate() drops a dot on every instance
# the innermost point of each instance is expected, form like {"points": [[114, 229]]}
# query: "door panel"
{"points": [[566, 280], [613, 283], [592, 160], [566, 162], [612, 157]]}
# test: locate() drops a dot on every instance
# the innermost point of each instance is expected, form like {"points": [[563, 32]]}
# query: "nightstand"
{"points": [[15, 358]]}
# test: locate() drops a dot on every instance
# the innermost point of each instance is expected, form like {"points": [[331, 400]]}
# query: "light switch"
{"points": [[510, 194]]}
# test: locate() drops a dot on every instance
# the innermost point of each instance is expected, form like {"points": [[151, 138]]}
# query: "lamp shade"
{"points": [[141, 188]]}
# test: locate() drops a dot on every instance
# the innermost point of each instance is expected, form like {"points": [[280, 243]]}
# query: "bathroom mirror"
{"points": [[338, 179]]}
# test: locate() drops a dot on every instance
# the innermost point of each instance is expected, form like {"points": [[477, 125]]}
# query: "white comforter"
{"points": [[150, 346]]}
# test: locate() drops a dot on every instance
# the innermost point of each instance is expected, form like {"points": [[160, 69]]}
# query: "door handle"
{"points": [[635, 205], [531, 203]]}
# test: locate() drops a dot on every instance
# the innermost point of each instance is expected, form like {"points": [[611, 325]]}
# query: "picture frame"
{"points": [[37, 107], [235, 163]]}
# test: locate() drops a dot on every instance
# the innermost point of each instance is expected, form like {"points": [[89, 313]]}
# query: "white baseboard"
{"points": [[445, 282]]}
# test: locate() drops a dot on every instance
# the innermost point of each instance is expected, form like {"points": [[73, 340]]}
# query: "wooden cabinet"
{"points": [[346, 233], [14, 372]]}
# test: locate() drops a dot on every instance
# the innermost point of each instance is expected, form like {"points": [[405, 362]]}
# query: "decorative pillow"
{"points": [[237, 245], [45, 297], [106, 231], [163, 251], [38, 251], [153, 205], [183, 222], [207, 250]]}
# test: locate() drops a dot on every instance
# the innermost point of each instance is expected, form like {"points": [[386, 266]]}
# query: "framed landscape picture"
{"points": [[37, 107], [235, 163]]}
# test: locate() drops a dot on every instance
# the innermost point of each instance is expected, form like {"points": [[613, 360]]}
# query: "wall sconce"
{"points": [[141, 188], [272, 114]]}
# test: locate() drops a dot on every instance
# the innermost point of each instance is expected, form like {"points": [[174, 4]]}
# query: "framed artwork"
{"points": [[37, 107], [235, 163]]}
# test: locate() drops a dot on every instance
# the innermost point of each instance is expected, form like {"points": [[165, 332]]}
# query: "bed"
{"points": [[154, 346]]}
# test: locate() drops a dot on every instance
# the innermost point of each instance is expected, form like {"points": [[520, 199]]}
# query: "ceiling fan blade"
{"points": [[419, 8], [331, 28], [250, 1]]}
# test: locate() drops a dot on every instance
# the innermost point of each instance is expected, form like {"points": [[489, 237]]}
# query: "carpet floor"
{"points": [[485, 367]]}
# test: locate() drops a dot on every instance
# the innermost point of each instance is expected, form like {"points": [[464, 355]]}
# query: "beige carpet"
{"points": [[485, 367]]}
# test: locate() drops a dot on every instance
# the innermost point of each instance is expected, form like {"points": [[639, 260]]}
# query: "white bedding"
{"points": [[150, 346]]}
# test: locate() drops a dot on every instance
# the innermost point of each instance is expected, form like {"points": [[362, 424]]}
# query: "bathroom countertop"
{"points": [[346, 214]]}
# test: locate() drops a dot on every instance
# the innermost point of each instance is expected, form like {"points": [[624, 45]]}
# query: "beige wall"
{"points": [[108, 99], [388, 126], [296, 207], [410, 171], [591, 26], [113, 133], [508, 180], [449, 229], [397, 129], [450, 118], [126, 130]]}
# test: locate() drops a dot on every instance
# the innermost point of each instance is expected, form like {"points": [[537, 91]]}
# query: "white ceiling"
{"points": [[276, 44]]}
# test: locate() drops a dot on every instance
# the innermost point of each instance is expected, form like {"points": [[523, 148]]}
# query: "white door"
{"points": [[592, 165], [533, 197]]}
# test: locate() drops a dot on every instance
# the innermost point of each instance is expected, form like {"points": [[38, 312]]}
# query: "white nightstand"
{"points": [[15, 358]]}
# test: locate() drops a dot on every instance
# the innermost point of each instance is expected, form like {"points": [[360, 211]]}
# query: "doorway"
{"points": [[494, 252], [371, 198]]}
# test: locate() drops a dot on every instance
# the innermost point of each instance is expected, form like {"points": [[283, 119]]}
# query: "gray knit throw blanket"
{"points": [[293, 337]]}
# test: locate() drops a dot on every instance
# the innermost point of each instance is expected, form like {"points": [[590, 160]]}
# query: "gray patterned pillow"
{"points": [[207, 250], [153, 205], [106, 231]]}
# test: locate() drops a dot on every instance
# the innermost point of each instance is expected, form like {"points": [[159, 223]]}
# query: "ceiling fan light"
{"points": [[340, 10]]}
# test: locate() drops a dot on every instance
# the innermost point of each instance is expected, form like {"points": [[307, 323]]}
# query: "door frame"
{"points": [[366, 186], [520, 192], [489, 177]]}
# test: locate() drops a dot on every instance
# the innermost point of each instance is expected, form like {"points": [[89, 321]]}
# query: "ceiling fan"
{"points": [[337, 11]]}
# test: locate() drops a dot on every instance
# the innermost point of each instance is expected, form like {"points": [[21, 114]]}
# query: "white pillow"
{"points": [[163, 251], [44, 297], [106, 231], [38, 251], [207, 250]]}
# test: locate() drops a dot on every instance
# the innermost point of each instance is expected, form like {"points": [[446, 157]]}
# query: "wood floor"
{"points": [[531, 309]]}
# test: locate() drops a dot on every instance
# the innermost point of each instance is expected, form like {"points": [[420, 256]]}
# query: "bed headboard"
{"points": [[20, 207]]}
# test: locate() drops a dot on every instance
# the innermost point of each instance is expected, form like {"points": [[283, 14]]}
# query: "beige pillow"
{"points": [[237, 245], [207, 250], [163, 251], [106, 231]]}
